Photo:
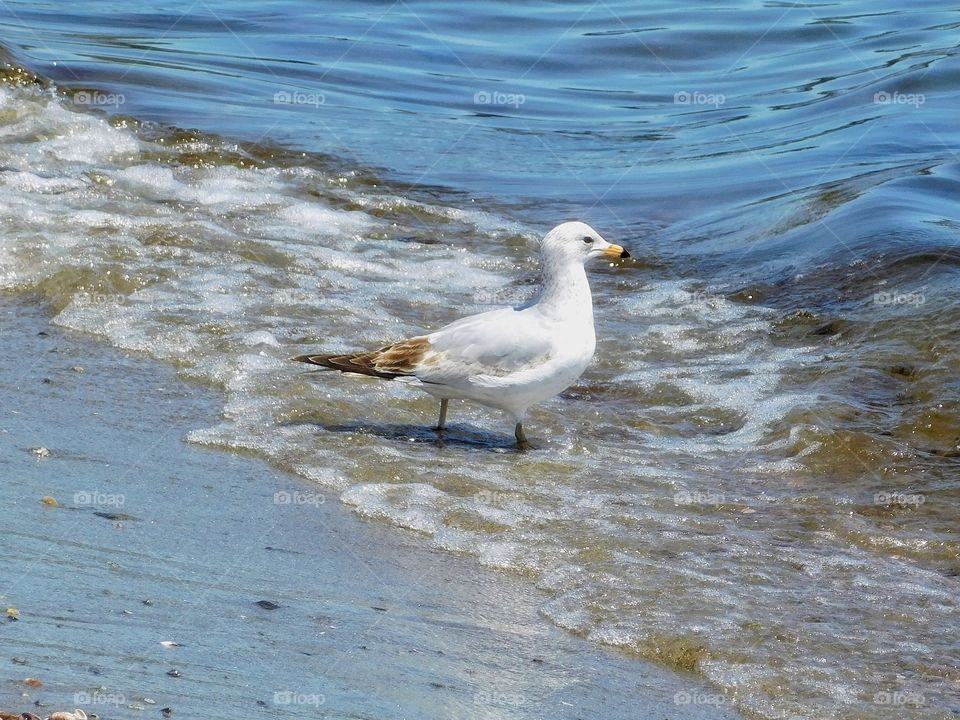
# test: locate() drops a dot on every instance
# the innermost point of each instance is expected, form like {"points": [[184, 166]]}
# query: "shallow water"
{"points": [[174, 576], [757, 479]]}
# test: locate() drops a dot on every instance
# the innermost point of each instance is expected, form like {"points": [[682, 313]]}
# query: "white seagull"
{"points": [[511, 358]]}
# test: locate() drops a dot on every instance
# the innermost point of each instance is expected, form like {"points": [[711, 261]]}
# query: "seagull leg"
{"points": [[522, 443], [442, 422]]}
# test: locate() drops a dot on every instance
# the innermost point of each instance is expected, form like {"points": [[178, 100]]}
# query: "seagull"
{"points": [[510, 358]]}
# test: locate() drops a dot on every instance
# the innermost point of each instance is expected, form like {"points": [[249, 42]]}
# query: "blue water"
{"points": [[758, 478], [733, 128]]}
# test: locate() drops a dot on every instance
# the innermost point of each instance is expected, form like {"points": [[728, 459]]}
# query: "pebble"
{"points": [[64, 715]]}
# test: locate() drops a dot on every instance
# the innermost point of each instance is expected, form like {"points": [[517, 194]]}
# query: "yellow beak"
{"points": [[615, 251]]}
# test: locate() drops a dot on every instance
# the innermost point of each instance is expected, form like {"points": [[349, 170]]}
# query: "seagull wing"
{"points": [[483, 349], [493, 344]]}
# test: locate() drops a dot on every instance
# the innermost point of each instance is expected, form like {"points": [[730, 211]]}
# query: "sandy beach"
{"points": [[174, 580]]}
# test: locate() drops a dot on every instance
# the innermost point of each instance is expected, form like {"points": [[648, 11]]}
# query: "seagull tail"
{"points": [[361, 363], [392, 361]]}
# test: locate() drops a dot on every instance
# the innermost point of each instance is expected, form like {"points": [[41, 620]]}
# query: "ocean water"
{"points": [[756, 481]]}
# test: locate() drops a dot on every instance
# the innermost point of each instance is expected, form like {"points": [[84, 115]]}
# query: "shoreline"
{"points": [[211, 584]]}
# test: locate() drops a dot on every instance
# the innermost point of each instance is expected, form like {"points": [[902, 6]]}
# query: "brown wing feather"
{"points": [[389, 362]]}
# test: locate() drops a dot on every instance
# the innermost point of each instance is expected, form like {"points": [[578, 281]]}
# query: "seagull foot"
{"points": [[442, 421], [522, 443]]}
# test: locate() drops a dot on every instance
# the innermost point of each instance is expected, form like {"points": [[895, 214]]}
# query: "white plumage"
{"points": [[510, 358]]}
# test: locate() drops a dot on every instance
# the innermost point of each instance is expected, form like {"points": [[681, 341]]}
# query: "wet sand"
{"points": [[172, 580]]}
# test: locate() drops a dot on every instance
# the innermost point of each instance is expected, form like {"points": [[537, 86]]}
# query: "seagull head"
{"points": [[578, 242]]}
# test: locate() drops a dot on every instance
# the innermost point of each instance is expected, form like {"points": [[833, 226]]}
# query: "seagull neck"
{"points": [[566, 292]]}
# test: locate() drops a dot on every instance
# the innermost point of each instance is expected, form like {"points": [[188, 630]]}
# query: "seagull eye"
{"points": [[587, 239]]}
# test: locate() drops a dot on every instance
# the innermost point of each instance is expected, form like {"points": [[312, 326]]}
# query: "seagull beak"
{"points": [[615, 251]]}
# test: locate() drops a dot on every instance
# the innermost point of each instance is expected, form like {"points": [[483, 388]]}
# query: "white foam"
{"points": [[312, 219], [417, 506]]}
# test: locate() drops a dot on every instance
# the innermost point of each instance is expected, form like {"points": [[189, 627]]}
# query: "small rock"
{"points": [[19, 660], [166, 712], [40, 452], [267, 605], [64, 715], [115, 516]]}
